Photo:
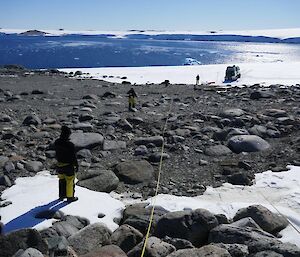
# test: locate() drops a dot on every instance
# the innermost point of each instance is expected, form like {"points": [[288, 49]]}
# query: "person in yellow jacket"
{"points": [[67, 165]]}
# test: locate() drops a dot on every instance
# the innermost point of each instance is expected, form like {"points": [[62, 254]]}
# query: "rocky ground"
{"points": [[199, 149], [213, 134]]}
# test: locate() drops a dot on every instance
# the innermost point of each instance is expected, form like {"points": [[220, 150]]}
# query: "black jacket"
{"points": [[65, 151]]}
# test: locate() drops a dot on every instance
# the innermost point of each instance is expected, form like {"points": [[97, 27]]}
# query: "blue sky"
{"points": [[149, 14]]}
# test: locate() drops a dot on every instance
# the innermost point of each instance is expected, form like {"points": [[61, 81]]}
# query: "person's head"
{"points": [[65, 132]]}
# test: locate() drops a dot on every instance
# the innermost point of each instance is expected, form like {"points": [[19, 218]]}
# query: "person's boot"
{"points": [[72, 199]]}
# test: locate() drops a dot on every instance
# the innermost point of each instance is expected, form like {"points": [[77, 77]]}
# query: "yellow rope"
{"points": [[153, 200]]}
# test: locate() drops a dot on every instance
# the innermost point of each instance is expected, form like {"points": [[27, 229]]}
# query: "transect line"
{"points": [[158, 182], [293, 226]]}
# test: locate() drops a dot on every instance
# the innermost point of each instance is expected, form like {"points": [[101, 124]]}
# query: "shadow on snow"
{"points": [[34, 216]]}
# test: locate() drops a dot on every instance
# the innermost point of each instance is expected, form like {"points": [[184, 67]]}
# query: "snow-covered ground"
{"points": [[286, 73], [30, 195], [276, 33]]}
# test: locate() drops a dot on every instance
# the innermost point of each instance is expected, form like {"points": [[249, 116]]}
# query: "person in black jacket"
{"points": [[67, 165]]}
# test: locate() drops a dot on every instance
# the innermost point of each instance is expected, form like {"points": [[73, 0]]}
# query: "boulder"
{"points": [[110, 145], [267, 254], [137, 216], [240, 178], [106, 251], [32, 120], [125, 125], [205, 251], [22, 239], [246, 222], [67, 227], [90, 238], [231, 113], [84, 126], [98, 180], [34, 166], [134, 172], [141, 150], [30, 252], [58, 245], [236, 250], [190, 225], [229, 234], [156, 140], [285, 249], [157, 156], [247, 143], [86, 140], [126, 237], [256, 95], [5, 118], [268, 221], [155, 248], [179, 243], [217, 150]]}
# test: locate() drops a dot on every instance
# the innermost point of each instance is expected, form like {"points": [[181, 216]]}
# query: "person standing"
{"points": [[197, 79], [67, 165], [131, 99]]}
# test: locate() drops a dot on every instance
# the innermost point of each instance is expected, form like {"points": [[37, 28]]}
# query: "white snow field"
{"points": [[270, 189], [285, 73]]}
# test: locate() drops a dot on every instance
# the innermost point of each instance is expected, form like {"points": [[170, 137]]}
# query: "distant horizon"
{"points": [[145, 29]]}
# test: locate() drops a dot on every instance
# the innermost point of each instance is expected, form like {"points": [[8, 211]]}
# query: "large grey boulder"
{"points": [[267, 220], [247, 143], [126, 237], [106, 251], [34, 166], [98, 180], [205, 251], [155, 248], [190, 225], [229, 234], [86, 140], [89, 238], [156, 140], [137, 216], [134, 172], [67, 227], [22, 239]]}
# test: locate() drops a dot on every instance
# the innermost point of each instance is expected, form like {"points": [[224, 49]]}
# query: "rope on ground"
{"points": [[292, 225], [153, 200]]}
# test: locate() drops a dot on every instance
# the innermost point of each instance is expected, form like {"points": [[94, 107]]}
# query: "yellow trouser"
{"points": [[131, 101], [69, 184]]}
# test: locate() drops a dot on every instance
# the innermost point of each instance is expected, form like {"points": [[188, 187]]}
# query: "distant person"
{"points": [[197, 80], [67, 165], [131, 99]]}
